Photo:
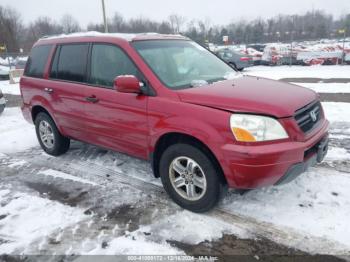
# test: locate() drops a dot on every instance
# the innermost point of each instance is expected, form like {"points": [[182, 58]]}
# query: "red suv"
{"points": [[164, 98]]}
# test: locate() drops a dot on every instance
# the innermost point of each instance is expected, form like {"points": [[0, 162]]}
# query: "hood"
{"points": [[251, 95]]}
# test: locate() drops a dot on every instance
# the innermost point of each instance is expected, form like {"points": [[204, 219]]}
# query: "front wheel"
{"points": [[190, 177], [49, 137]]}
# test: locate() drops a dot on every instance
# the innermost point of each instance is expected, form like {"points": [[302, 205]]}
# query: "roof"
{"points": [[127, 37]]}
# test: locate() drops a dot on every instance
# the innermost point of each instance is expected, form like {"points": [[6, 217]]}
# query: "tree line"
{"points": [[315, 24]]}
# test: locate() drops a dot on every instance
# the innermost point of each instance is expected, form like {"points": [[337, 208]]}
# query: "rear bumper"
{"points": [[250, 166], [27, 114]]}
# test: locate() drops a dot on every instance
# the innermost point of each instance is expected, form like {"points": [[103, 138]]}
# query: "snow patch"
{"points": [[16, 133], [327, 87], [11, 89], [337, 154], [30, 218], [17, 163], [335, 71], [315, 204], [337, 112], [127, 245], [192, 228], [59, 174]]}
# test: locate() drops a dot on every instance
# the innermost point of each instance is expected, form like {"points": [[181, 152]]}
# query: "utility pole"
{"points": [[344, 47], [104, 16], [343, 31]]}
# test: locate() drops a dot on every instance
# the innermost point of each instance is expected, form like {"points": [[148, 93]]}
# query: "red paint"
{"points": [[245, 58], [128, 121], [127, 84]]}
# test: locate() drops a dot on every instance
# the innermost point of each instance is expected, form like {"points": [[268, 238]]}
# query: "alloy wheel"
{"points": [[187, 178]]}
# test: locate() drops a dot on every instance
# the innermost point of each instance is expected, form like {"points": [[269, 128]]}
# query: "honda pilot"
{"points": [[203, 126]]}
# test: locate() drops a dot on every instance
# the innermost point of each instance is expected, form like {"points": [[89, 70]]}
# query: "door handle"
{"points": [[48, 90], [92, 99]]}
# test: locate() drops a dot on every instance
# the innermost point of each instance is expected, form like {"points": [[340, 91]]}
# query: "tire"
{"points": [[202, 200], [55, 144]]}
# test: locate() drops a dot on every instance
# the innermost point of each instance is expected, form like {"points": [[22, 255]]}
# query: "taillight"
{"points": [[244, 58]]}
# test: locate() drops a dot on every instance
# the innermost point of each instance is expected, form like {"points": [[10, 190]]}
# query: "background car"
{"points": [[2, 102], [235, 59], [4, 72]]}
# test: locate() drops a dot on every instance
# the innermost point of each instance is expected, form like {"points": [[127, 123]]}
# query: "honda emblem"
{"points": [[313, 115]]}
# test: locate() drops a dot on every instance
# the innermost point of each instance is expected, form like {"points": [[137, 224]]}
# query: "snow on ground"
{"points": [[336, 71], [62, 175], [16, 133], [317, 203], [327, 87], [337, 154], [192, 228], [140, 246], [29, 218], [11, 89], [337, 112]]}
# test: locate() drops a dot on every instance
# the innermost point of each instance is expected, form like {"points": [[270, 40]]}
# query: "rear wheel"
{"points": [[49, 137], [190, 177]]}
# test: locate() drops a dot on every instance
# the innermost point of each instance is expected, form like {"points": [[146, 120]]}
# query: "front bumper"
{"points": [[256, 166], [316, 155]]}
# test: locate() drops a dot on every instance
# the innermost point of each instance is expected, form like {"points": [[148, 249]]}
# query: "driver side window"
{"points": [[108, 62]]}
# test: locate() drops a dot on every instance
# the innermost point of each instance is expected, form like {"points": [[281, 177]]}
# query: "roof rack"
{"points": [[128, 37]]}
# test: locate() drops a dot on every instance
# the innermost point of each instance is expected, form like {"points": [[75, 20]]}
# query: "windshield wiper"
{"points": [[197, 83], [216, 80]]}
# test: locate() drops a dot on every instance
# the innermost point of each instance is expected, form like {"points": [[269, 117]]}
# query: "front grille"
{"points": [[308, 116]]}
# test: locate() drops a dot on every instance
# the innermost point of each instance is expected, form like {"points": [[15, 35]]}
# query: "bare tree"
{"points": [[176, 22], [43, 26], [117, 24], [69, 24], [11, 29]]}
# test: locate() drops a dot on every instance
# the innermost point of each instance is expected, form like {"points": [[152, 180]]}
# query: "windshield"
{"points": [[182, 64]]}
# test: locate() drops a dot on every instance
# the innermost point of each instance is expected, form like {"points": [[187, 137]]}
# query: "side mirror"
{"points": [[127, 84]]}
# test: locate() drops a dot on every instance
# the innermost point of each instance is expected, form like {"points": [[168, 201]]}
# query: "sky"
{"points": [[218, 11]]}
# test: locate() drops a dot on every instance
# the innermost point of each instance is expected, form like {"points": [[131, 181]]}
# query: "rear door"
{"points": [[68, 75], [115, 120]]}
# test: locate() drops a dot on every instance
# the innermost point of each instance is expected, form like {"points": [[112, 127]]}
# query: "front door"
{"points": [[115, 120]]}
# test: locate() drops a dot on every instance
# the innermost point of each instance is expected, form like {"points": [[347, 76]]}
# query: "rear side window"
{"points": [[108, 62], [70, 63], [36, 63]]}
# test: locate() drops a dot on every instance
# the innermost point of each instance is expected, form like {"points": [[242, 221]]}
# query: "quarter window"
{"points": [[37, 61], [108, 62]]}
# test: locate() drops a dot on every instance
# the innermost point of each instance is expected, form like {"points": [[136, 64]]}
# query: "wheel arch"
{"points": [[171, 138], [38, 108]]}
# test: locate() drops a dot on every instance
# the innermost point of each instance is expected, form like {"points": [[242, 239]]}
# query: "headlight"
{"points": [[254, 128]]}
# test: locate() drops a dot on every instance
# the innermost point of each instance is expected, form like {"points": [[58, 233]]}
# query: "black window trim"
{"points": [[58, 51]]}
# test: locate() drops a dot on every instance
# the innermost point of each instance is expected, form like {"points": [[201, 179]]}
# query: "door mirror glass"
{"points": [[127, 84]]}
